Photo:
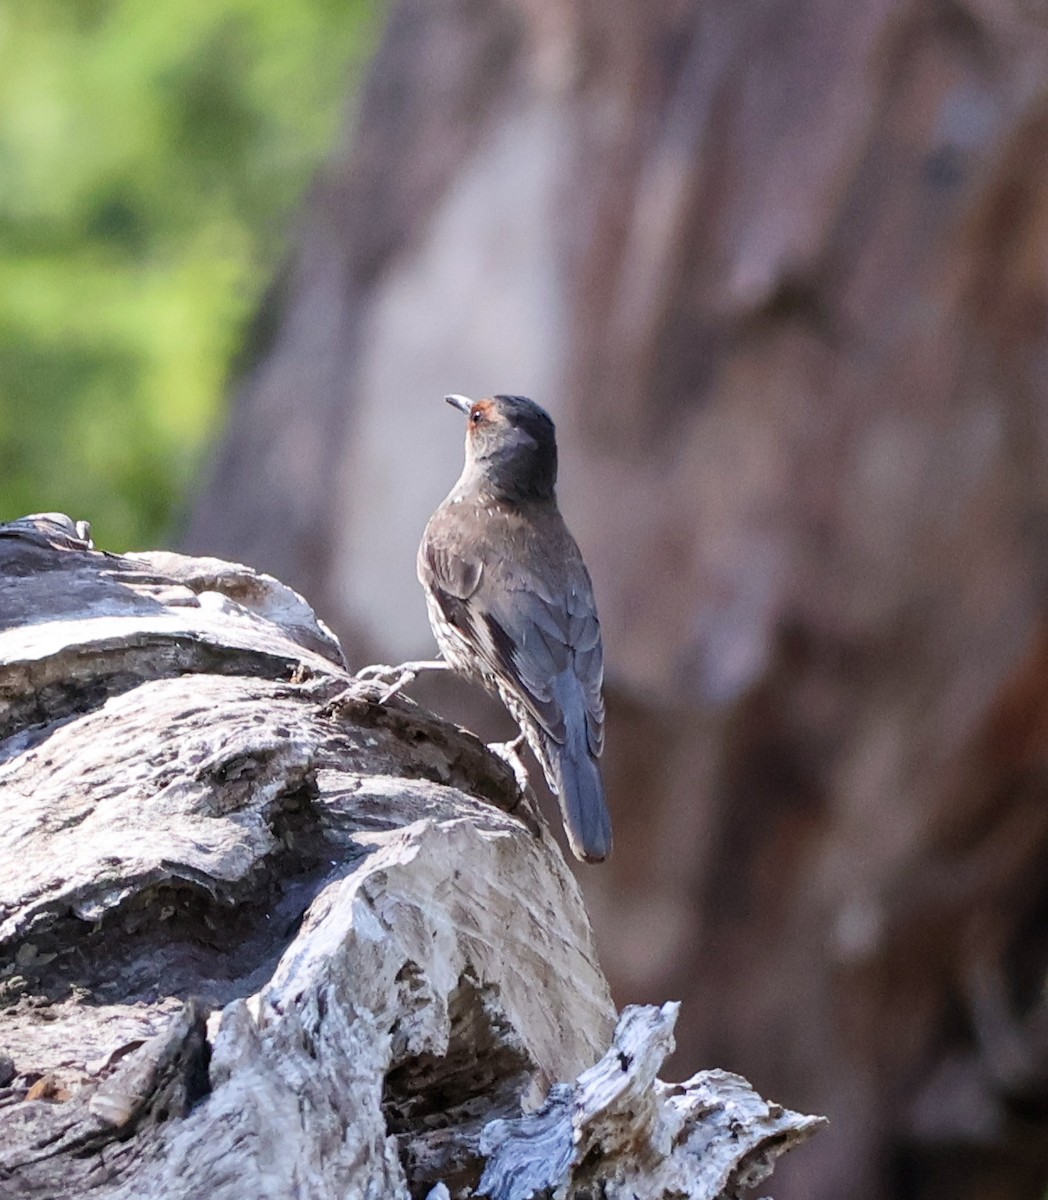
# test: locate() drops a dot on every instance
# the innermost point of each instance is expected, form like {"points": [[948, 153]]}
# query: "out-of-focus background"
{"points": [[779, 269], [153, 158]]}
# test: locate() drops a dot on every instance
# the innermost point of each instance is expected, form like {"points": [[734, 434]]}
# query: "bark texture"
{"points": [[264, 936], [778, 270]]}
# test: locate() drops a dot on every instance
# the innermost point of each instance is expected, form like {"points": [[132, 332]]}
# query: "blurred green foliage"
{"points": [[152, 156]]}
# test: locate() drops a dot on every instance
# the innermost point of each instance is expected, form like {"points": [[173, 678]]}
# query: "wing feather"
{"points": [[525, 629]]}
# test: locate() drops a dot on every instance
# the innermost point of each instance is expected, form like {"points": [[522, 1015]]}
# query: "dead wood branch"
{"points": [[261, 935]]}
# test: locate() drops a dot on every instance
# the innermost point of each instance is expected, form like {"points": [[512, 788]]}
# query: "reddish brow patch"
{"points": [[483, 409]]}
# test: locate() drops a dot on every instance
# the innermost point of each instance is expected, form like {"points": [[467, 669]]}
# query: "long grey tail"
{"points": [[582, 804]]}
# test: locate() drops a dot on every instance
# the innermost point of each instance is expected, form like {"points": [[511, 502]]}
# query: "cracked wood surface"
{"points": [[261, 935]]}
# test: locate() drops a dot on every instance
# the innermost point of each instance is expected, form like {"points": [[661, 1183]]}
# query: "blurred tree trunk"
{"points": [[780, 271]]}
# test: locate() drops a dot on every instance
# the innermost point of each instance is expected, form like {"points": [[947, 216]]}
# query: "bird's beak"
{"points": [[462, 403]]}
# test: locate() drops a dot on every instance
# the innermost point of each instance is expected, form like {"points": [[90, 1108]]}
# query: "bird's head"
{"points": [[511, 446]]}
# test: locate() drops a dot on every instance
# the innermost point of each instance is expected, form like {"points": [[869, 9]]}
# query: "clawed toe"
{"points": [[397, 677], [401, 681], [377, 671], [509, 752]]}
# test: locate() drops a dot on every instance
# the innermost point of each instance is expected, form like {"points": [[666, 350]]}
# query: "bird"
{"points": [[511, 604]]}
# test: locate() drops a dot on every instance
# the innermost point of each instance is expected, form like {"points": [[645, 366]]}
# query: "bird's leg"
{"points": [[509, 752], [399, 677]]}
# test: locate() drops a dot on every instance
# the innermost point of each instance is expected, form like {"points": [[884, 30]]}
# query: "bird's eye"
{"points": [[476, 416]]}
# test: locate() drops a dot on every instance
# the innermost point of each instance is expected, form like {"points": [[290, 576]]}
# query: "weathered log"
{"points": [[262, 935]]}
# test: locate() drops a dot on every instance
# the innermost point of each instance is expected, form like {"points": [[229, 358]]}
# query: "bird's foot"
{"points": [[398, 677], [509, 752]]}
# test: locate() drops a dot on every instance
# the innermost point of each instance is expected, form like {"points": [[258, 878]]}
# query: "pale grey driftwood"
{"points": [[620, 1133], [263, 936]]}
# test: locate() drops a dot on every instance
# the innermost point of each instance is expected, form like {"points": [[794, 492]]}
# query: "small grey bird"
{"points": [[511, 603]]}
